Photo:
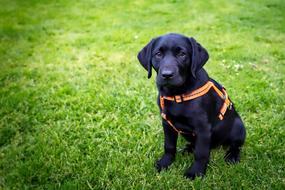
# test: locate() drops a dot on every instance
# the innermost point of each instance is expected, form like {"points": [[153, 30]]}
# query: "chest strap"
{"points": [[195, 94]]}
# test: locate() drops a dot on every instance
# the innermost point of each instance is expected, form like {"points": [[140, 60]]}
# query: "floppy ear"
{"points": [[144, 56], [198, 58]]}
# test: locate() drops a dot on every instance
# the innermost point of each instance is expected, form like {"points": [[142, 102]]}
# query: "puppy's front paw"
{"points": [[193, 172], [164, 162]]}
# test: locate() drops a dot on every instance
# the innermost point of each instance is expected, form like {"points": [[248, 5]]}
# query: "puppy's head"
{"points": [[174, 57]]}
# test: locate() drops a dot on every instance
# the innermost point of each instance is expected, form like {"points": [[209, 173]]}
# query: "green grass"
{"points": [[77, 110]]}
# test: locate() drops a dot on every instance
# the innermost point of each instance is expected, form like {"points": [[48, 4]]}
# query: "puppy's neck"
{"points": [[189, 85]]}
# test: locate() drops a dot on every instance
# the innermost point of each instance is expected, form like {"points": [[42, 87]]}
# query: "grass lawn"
{"points": [[77, 110]]}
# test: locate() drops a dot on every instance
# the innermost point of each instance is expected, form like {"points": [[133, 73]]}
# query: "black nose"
{"points": [[167, 74]]}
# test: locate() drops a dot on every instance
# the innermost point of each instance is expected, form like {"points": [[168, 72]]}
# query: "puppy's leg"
{"points": [[170, 142], [236, 141], [201, 154]]}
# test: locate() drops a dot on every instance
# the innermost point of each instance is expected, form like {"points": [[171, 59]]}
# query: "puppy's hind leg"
{"points": [[190, 145], [237, 139]]}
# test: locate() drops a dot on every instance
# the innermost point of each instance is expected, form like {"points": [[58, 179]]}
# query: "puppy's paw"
{"points": [[232, 157], [194, 172], [164, 162]]}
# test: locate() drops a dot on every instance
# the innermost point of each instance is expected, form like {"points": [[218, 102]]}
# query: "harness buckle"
{"points": [[178, 98], [230, 106]]}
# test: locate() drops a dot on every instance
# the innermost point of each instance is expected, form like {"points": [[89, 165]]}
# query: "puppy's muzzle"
{"points": [[167, 74]]}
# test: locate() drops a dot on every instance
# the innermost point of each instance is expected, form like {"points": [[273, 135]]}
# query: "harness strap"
{"points": [[171, 124], [195, 94]]}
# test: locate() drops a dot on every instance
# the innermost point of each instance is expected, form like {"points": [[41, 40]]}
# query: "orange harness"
{"points": [[195, 94]]}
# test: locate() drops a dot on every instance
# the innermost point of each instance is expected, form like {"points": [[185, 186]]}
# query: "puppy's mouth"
{"points": [[175, 81]]}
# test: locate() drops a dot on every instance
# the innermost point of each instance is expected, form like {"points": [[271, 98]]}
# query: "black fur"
{"points": [[178, 61]]}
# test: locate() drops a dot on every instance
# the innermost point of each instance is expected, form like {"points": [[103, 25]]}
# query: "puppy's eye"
{"points": [[181, 54], [158, 54]]}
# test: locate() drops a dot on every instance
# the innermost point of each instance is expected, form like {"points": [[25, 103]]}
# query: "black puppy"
{"points": [[191, 103]]}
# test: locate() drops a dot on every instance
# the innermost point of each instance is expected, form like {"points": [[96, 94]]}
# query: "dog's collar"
{"points": [[195, 94]]}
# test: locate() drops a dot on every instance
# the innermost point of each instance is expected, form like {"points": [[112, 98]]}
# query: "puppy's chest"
{"points": [[182, 114]]}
